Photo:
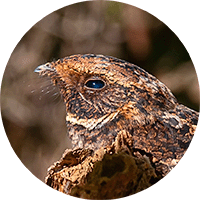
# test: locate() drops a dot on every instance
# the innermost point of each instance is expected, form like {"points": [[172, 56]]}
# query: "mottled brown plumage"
{"points": [[105, 96]]}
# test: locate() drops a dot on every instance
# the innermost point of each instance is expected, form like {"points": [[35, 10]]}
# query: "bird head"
{"points": [[96, 89]]}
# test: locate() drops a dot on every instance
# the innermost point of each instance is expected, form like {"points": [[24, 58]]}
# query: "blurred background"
{"points": [[32, 110]]}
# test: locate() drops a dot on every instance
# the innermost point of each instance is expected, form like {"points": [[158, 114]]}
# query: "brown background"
{"points": [[32, 111]]}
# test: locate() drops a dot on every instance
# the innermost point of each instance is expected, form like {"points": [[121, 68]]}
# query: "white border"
{"points": [[17, 17]]}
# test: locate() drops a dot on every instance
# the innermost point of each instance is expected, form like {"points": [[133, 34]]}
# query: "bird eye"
{"points": [[95, 84]]}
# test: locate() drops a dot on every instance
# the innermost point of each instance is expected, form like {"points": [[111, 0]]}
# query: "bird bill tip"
{"points": [[38, 69]]}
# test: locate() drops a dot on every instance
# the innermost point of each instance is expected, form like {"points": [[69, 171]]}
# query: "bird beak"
{"points": [[44, 69]]}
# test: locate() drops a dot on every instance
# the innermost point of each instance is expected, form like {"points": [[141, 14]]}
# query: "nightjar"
{"points": [[105, 96]]}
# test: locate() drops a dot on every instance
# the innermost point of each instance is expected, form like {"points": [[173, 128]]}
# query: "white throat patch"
{"points": [[91, 123]]}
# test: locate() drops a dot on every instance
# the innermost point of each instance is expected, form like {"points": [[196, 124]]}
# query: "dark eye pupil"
{"points": [[95, 84]]}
